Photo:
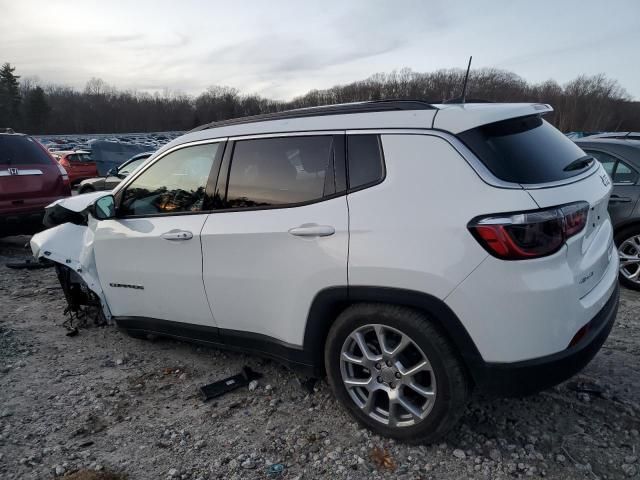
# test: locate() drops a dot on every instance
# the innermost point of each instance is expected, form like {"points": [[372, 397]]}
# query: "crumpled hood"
{"points": [[79, 203], [71, 209]]}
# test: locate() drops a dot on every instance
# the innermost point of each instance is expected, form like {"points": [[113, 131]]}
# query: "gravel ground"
{"points": [[104, 405]]}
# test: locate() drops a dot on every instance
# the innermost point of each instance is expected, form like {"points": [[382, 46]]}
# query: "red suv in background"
{"points": [[30, 179], [78, 165]]}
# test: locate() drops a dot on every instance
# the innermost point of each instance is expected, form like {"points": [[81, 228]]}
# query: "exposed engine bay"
{"points": [[69, 244]]}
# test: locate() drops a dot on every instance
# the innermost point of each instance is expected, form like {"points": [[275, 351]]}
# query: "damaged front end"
{"points": [[69, 243]]}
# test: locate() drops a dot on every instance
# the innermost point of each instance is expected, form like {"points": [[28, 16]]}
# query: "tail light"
{"points": [[66, 183], [519, 236]]}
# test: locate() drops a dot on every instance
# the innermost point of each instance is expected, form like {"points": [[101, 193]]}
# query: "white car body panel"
{"points": [[458, 117], [73, 246], [392, 224], [521, 310], [259, 278], [132, 252]]}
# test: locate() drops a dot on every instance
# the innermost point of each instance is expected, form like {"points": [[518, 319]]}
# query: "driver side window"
{"points": [[176, 183]]}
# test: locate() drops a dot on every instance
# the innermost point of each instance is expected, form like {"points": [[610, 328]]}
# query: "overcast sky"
{"points": [[281, 49]]}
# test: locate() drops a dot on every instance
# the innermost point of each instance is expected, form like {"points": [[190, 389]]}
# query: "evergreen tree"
{"points": [[9, 97], [36, 109]]}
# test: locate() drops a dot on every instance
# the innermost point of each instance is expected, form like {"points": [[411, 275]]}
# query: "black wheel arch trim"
{"points": [[330, 302], [625, 224]]}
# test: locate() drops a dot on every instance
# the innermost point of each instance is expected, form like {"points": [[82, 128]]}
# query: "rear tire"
{"points": [[627, 242], [411, 407]]}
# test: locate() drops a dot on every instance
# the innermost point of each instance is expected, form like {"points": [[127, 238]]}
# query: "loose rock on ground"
{"points": [[104, 402]]}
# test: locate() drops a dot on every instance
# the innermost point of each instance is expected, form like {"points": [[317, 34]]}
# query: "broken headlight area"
{"points": [[56, 214], [83, 305]]}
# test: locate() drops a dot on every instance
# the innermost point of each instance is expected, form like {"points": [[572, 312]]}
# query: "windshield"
{"points": [[525, 150]]}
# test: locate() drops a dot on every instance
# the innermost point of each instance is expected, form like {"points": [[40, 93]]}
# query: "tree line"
{"points": [[587, 103]]}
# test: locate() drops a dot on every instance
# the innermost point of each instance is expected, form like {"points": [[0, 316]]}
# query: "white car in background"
{"points": [[412, 252]]}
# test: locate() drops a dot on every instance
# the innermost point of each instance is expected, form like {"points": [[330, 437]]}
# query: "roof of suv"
{"points": [[384, 114]]}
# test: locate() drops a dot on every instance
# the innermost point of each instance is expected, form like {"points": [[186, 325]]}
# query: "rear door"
{"points": [[149, 258], [625, 192], [280, 239], [530, 152]]}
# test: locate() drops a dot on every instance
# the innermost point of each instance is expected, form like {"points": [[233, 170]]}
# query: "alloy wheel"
{"points": [[629, 253], [387, 375]]}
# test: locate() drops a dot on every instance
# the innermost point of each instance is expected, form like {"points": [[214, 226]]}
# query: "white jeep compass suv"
{"points": [[410, 251]]}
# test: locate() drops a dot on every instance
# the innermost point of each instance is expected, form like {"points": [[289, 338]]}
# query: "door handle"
{"points": [[174, 235], [313, 231], [618, 199]]}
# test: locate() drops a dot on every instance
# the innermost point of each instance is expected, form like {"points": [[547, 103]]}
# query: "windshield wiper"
{"points": [[579, 163]]}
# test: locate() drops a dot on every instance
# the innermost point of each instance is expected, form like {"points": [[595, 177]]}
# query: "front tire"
{"points": [[396, 372], [628, 243]]}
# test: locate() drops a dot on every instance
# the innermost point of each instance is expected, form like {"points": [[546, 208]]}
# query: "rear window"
{"points": [[80, 157], [524, 150], [20, 150]]}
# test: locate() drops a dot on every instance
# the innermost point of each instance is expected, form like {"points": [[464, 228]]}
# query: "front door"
{"points": [[149, 257]]}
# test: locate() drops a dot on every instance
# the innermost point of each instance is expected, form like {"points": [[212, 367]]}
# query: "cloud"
{"points": [[123, 38]]}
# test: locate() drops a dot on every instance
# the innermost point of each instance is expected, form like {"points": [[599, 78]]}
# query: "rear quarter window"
{"points": [[524, 150], [364, 159], [18, 150]]}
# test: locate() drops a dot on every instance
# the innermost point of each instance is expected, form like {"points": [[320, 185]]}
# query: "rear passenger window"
{"points": [[617, 170], [624, 174], [364, 159], [279, 171], [608, 162]]}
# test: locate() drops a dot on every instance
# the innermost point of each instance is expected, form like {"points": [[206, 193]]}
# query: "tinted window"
{"points": [[608, 162], [20, 150], [364, 159], [524, 150], [279, 171], [619, 171], [624, 173], [80, 157], [175, 183]]}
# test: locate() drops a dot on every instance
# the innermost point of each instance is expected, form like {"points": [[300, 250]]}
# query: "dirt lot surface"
{"points": [[104, 405]]}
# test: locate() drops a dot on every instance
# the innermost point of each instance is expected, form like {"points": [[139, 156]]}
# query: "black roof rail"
{"points": [[466, 100], [338, 109]]}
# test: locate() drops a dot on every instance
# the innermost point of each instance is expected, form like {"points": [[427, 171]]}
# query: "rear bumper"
{"points": [[530, 376]]}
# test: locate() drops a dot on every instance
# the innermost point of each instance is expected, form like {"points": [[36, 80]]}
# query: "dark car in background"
{"points": [[621, 159], [30, 179], [114, 176], [615, 135]]}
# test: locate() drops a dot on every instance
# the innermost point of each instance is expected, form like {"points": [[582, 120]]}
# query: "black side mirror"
{"points": [[104, 208]]}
